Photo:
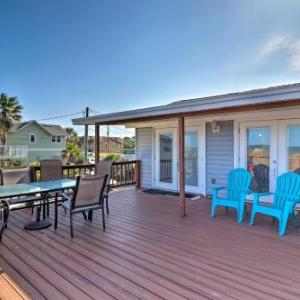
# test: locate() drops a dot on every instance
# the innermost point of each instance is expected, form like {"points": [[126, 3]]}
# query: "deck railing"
{"points": [[123, 172]]}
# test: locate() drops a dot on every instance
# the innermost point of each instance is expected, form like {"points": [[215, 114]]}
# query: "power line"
{"points": [[61, 116]]}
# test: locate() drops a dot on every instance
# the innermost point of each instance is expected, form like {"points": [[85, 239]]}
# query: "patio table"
{"points": [[26, 189]]}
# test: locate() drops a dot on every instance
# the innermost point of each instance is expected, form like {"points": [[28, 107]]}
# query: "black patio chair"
{"points": [[297, 171], [260, 182], [51, 169], [87, 197], [16, 176], [103, 168]]}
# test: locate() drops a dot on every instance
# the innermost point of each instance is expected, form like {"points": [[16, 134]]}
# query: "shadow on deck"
{"points": [[149, 252]]}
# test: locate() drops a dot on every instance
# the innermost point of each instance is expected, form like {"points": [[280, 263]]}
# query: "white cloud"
{"points": [[286, 45], [275, 44]]}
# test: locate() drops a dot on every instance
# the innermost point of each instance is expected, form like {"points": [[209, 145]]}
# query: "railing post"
{"points": [[97, 142], [32, 174], [138, 174]]}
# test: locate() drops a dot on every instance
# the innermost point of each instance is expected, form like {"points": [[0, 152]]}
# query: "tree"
{"points": [[128, 143], [10, 113], [72, 134], [72, 152]]}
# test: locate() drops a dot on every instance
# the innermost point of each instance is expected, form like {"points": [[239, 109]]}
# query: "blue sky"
{"points": [[59, 56]]}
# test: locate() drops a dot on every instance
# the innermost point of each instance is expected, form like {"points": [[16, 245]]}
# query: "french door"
{"points": [[167, 159], [194, 159], [289, 146], [258, 153]]}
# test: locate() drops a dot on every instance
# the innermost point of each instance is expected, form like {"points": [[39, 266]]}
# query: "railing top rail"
{"points": [[90, 165]]}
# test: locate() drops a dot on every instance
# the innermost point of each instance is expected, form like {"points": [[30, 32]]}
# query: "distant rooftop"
{"points": [[51, 129]]}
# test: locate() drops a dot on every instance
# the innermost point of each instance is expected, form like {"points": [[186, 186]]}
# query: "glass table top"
{"points": [[22, 189]]}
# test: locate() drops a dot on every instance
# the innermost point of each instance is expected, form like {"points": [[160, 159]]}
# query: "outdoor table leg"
{"points": [[39, 224], [5, 217]]}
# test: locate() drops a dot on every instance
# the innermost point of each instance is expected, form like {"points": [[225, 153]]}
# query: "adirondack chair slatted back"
{"points": [[287, 189], [238, 182]]}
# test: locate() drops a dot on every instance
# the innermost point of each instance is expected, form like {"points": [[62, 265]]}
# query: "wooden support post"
{"points": [[97, 143], [181, 166]]}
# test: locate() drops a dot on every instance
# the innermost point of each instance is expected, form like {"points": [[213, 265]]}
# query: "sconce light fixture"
{"points": [[215, 126]]}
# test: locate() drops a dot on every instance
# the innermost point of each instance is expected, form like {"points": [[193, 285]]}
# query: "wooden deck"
{"points": [[149, 252]]}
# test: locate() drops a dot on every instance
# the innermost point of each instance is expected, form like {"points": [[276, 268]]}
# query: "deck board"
{"points": [[149, 252]]}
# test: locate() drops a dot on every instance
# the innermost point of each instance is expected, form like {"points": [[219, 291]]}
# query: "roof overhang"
{"points": [[250, 100]]}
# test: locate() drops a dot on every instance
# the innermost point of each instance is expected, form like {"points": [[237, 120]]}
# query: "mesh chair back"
{"points": [[14, 176], [89, 191], [104, 167], [51, 169], [261, 177]]}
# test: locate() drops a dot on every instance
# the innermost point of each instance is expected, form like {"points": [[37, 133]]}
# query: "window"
{"points": [[32, 138], [56, 139], [114, 145], [106, 145]]}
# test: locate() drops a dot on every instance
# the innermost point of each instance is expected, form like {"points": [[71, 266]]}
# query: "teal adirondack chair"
{"points": [[286, 196], [238, 184]]}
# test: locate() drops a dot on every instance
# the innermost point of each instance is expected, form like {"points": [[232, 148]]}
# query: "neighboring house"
{"points": [[44, 141], [107, 145], [257, 129], [111, 144]]}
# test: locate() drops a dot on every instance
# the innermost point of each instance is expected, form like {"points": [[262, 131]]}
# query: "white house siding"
{"points": [[219, 154], [144, 154]]}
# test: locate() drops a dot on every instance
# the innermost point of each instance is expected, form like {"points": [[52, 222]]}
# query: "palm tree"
{"points": [[72, 134], [10, 113]]}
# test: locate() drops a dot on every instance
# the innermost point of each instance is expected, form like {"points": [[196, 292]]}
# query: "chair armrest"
{"points": [[258, 195], [65, 196], [215, 190]]}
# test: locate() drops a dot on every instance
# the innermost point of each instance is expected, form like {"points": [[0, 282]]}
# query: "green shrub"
{"points": [[112, 156], [79, 160]]}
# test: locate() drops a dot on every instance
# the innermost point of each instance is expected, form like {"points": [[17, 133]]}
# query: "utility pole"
{"points": [[86, 135]]}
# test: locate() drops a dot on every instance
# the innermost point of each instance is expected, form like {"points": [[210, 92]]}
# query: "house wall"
{"points": [[226, 150], [219, 154], [43, 147], [144, 149], [111, 145]]}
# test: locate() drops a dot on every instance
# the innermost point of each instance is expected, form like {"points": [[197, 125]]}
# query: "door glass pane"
{"points": [[165, 157], [258, 157], [294, 148], [191, 158]]}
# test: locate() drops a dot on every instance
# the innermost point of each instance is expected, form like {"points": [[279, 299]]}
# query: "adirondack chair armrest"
{"points": [[256, 196], [215, 190]]}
